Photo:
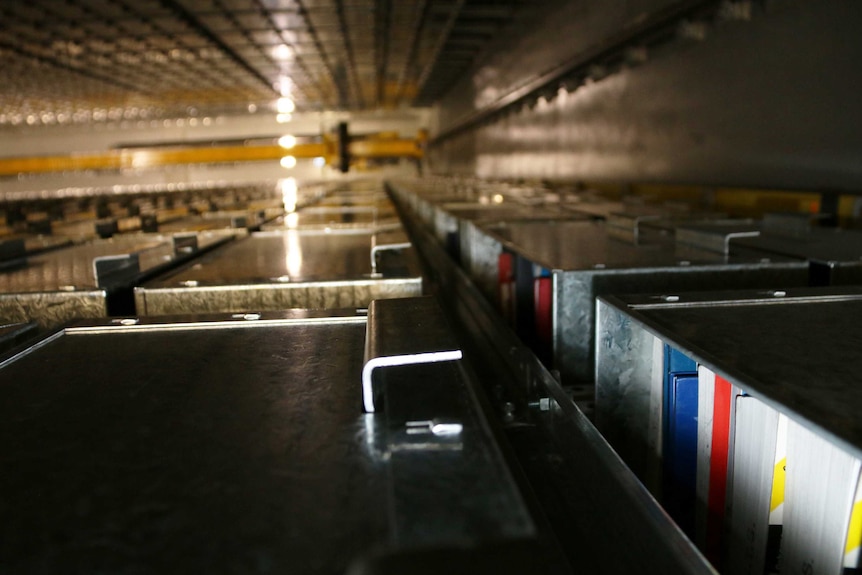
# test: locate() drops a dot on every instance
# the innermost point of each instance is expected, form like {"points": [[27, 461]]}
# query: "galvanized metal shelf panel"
{"points": [[334, 219], [585, 261], [282, 270], [56, 286], [162, 459], [835, 254]]}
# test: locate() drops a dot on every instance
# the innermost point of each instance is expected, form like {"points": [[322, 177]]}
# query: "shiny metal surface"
{"points": [[280, 270], [160, 459], [773, 346], [320, 219], [235, 224], [57, 286], [836, 254], [718, 236], [585, 262], [390, 341]]}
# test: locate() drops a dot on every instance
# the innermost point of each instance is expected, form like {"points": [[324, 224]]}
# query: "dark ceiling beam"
{"points": [[383, 21], [358, 98], [442, 37], [421, 16], [54, 63], [192, 22], [340, 95]]}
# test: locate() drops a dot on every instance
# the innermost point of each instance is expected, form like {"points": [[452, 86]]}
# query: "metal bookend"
{"points": [[401, 332], [116, 271], [185, 244], [376, 248]]}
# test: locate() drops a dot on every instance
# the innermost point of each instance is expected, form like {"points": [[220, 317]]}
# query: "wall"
{"points": [[767, 102]]}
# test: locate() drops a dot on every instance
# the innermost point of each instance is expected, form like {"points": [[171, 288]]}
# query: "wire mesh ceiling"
{"points": [[69, 61]]}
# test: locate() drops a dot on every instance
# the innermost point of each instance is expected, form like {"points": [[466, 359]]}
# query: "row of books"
{"points": [[755, 490]]}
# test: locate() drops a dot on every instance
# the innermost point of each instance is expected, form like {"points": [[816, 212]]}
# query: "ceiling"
{"points": [[81, 61]]}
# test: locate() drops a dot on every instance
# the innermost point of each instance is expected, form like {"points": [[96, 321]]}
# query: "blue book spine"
{"points": [[680, 439]]}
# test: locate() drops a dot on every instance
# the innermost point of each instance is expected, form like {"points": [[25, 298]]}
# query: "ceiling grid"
{"points": [[82, 61]]}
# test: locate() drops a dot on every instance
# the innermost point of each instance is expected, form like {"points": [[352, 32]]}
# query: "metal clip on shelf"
{"points": [[403, 332], [377, 247]]}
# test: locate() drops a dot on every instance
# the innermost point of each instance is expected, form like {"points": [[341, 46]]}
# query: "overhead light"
{"points": [[285, 106], [287, 141], [282, 52], [288, 162], [283, 118]]}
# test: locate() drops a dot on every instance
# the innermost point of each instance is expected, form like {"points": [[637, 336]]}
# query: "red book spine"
{"points": [[718, 468], [505, 286], [542, 296]]}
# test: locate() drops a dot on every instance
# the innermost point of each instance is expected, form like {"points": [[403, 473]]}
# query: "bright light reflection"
{"points": [[282, 52], [293, 253], [319, 162], [284, 85], [283, 118], [287, 141], [497, 199], [285, 106], [288, 162], [292, 220], [288, 194]]}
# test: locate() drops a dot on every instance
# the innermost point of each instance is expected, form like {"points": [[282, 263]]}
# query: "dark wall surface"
{"points": [[770, 101]]}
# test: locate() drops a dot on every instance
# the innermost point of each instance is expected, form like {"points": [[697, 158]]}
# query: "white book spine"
{"points": [[756, 429], [705, 410], [820, 489]]}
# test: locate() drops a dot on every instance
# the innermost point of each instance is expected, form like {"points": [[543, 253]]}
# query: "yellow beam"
{"points": [[385, 148], [158, 157], [155, 157]]}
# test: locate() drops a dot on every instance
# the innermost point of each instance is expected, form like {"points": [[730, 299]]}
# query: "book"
{"points": [[680, 445], [820, 491], [714, 419], [506, 286], [854, 533], [755, 439], [543, 299]]}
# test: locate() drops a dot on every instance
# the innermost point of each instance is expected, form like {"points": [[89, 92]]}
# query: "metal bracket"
{"points": [[185, 244], [106, 228], [627, 227], [436, 427], [399, 332], [376, 248], [712, 237], [116, 271]]}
